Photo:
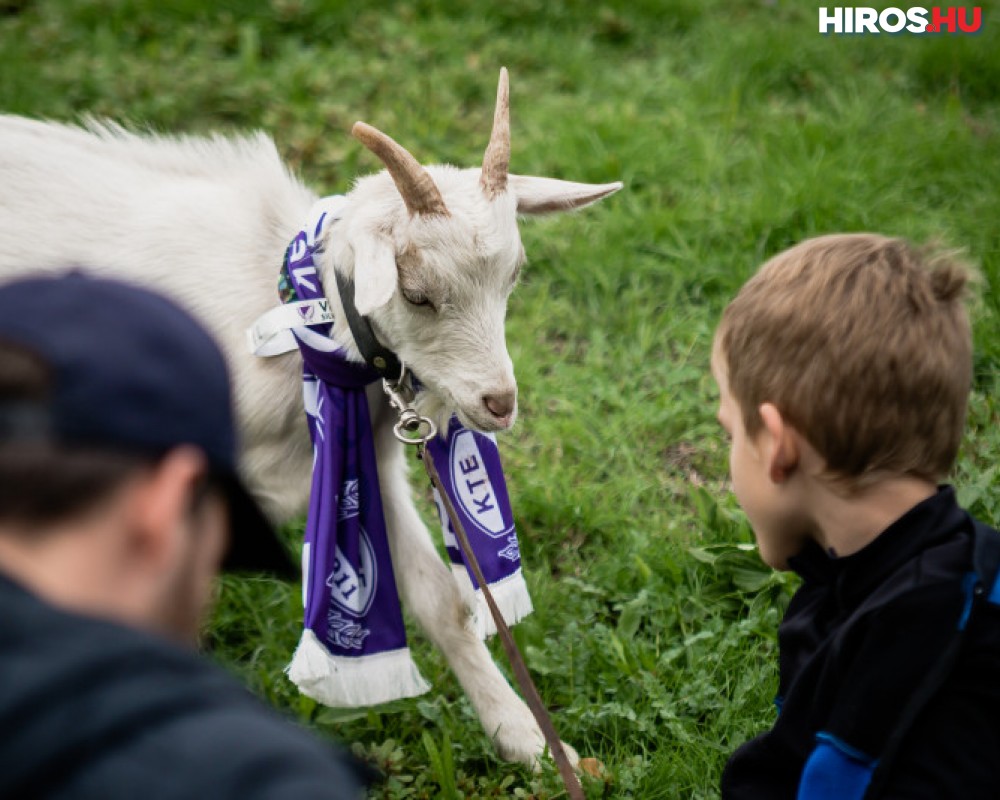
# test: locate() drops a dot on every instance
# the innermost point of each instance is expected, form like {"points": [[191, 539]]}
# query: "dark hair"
{"points": [[43, 482]]}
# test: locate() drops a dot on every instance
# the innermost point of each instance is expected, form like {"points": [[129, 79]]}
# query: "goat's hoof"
{"points": [[518, 738], [530, 748], [573, 756]]}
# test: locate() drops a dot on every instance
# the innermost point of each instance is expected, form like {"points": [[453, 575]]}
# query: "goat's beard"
{"points": [[439, 406], [430, 404]]}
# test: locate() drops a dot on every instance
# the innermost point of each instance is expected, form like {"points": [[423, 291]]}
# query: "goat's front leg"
{"points": [[432, 595]]}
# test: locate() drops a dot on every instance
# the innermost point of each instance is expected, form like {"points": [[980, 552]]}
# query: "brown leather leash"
{"points": [[528, 689], [413, 429]]}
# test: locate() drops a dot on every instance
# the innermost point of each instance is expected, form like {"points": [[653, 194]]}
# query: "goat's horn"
{"points": [[414, 183], [496, 161]]}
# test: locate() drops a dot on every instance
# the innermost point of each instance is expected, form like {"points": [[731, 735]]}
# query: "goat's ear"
{"points": [[549, 195], [375, 275]]}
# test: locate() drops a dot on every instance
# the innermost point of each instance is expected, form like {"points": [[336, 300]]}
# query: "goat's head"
{"points": [[435, 252]]}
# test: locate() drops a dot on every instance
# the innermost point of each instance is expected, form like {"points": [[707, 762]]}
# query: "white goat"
{"points": [[434, 253]]}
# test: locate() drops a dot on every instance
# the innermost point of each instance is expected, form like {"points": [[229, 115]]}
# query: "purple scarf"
{"points": [[353, 649]]}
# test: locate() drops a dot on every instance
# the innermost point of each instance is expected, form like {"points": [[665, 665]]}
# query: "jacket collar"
{"points": [[929, 522]]}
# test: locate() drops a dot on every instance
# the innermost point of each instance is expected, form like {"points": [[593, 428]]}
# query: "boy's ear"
{"points": [[783, 453]]}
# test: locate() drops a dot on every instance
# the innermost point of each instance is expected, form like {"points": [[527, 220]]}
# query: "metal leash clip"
{"points": [[411, 428]]}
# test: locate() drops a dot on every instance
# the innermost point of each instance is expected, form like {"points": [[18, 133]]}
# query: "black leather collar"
{"points": [[381, 359]]}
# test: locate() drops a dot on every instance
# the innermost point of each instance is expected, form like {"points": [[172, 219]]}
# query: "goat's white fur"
{"points": [[207, 220]]}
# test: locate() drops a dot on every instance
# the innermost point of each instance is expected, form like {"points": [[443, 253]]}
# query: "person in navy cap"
{"points": [[119, 503]]}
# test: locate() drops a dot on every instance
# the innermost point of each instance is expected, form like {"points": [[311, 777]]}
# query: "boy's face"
{"points": [[770, 506]]}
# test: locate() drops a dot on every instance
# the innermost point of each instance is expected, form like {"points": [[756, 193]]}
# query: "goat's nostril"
{"points": [[500, 404]]}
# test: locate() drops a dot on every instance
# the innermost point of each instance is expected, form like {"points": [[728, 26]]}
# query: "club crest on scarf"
{"points": [[353, 650], [352, 582], [351, 585], [471, 483]]}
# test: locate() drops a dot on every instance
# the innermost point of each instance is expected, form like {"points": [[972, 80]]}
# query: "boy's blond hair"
{"points": [[864, 345]]}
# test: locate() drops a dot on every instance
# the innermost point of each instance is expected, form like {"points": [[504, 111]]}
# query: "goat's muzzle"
{"points": [[501, 406]]}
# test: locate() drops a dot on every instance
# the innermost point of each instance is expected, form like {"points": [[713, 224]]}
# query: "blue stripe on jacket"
{"points": [[994, 596], [835, 771]]}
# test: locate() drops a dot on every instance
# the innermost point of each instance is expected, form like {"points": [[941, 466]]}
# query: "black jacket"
{"points": [[859, 637], [90, 709]]}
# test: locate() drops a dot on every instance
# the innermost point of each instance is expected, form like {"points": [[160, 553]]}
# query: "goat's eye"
{"points": [[418, 299]]}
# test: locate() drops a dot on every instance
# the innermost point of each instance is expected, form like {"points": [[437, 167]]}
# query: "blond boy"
{"points": [[844, 367]]}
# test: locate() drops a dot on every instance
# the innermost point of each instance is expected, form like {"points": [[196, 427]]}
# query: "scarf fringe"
{"points": [[510, 593], [353, 682]]}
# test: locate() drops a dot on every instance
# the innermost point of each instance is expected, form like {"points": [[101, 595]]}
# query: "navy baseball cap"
{"points": [[133, 371]]}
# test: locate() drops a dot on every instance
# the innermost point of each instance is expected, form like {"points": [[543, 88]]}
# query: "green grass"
{"points": [[738, 130]]}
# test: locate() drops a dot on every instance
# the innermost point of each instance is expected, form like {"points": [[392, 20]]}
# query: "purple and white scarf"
{"points": [[353, 649]]}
